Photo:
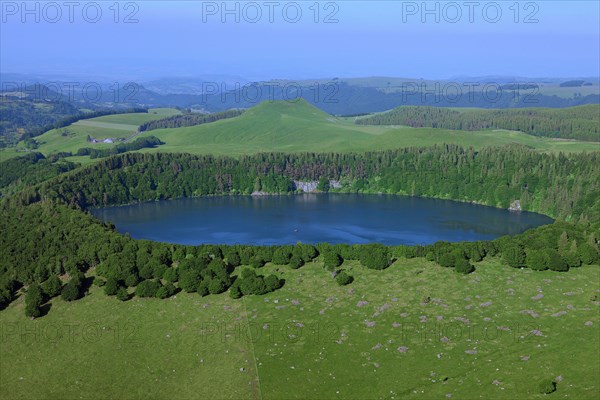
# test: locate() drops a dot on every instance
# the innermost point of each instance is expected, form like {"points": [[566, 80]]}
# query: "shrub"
{"points": [[52, 286], [189, 280], [171, 275], [202, 288], [572, 259], [282, 256], [332, 260], [447, 260], [296, 262], [71, 291], [216, 286], [344, 279], [272, 283], [33, 300], [547, 386], [111, 287], [537, 260], [235, 292], [147, 288], [233, 258], [257, 261], [122, 294], [464, 267], [556, 262], [514, 256], [375, 256], [588, 254], [165, 291]]}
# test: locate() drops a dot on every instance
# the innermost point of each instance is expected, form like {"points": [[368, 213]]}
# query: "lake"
{"points": [[313, 218]]}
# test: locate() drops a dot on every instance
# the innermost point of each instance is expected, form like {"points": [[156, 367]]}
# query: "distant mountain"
{"points": [[194, 85], [338, 96]]}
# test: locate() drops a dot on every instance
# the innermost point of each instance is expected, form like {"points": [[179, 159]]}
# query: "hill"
{"points": [[581, 122], [299, 126], [277, 126], [75, 136]]}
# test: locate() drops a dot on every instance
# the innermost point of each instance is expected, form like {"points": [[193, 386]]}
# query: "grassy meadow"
{"points": [[496, 333], [282, 126]]}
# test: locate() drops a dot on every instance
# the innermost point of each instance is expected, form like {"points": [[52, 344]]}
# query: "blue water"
{"points": [[313, 218]]}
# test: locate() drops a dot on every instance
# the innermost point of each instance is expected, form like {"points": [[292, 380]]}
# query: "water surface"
{"points": [[313, 218]]}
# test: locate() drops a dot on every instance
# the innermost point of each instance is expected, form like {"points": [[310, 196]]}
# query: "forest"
{"points": [[582, 122], [188, 119], [561, 186], [47, 232]]}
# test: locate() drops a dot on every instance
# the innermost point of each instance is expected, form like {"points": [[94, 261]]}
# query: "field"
{"points": [[281, 126], [495, 333], [74, 136], [297, 127]]}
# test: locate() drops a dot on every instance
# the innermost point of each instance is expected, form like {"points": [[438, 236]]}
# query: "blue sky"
{"points": [[387, 38]]}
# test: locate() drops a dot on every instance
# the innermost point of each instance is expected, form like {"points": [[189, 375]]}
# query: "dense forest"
{"points": [[24, 118], [581, 122], [188, 119], [563, 186], [30, 169]]}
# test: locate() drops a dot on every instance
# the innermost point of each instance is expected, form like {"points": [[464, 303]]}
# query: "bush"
{"points": [[189, 280], [111, 287], [171, 275], [122, 294], [52, 287], [257, 262], [202, 288], [282, 256], [464, 267], [296, 262], [572, 259], [514, 256], [33, 300], [547, 386], [556, 262], [233, 258], [332, 260], [588, 254], [272, 283], [71, 291], [344, 279], [537, 260], [216, 286], [447, 260], [165, 291], [147, 288], [375, 256], [235, 292]]}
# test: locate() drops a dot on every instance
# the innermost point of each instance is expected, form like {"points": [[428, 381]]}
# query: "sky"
{"points": [[302, 39]]}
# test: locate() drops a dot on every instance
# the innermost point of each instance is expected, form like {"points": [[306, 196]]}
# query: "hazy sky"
{"points": [[391, 38]]}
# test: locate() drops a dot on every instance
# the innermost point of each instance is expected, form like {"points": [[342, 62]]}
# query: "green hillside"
{"points": [[74, 136], [296, 127], [280, 126]]}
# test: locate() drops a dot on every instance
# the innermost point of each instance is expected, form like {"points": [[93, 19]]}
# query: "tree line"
{"points": [[145, 142], [561, 186], [188, 119], [48, 248], [49, 241], [582, 122]]}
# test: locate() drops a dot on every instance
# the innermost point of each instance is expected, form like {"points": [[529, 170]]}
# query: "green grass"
{"points": [[334, 354], [298, 127], [108, 126], [287, 127]]}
